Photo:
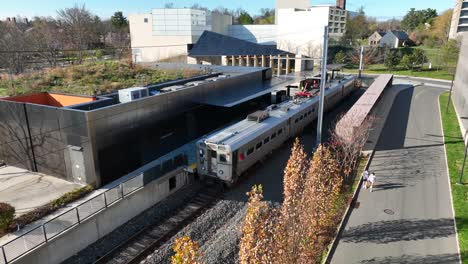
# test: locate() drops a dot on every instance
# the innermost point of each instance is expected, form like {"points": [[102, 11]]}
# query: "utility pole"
{"points": [[460, 180], [360, 61], [450, 93], [322, 86]]}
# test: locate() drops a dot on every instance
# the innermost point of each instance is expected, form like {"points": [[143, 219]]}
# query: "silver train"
{"points": [[228, 153]]}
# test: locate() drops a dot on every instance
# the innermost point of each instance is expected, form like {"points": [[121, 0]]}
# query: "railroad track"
{"points": [[147, 240]]}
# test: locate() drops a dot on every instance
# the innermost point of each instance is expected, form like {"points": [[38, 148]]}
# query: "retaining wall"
{"points": [[94, 228]]}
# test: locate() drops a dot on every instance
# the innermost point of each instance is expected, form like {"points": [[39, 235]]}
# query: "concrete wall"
{"points": [[96, 227], [150, 47], [284, 4], [301, 31], [261, 34], [460, 88]]}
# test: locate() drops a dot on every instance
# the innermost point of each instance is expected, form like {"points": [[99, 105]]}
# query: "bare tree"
{"points": [[78, 27], [44, 38], [13, 44], [348, 139]]}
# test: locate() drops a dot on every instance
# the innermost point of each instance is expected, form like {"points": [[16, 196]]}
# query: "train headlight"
{"points": [[221, 172]]}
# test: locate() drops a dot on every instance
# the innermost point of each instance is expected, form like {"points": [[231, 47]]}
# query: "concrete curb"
{"points": [[347, 214], [448, 177]]}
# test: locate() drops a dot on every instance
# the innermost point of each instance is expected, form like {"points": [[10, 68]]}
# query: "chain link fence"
{"points": [[74, 216]]}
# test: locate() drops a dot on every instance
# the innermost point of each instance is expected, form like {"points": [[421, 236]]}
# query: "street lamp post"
{"points": [[322, 87]]}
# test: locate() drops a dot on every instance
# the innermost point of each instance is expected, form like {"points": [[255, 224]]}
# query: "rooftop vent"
{"points": [[258, 116]]}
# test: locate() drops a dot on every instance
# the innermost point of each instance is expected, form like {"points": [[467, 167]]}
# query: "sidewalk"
{"points": [[408, 218]]}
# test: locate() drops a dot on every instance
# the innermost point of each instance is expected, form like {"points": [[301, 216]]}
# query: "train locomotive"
{"points": [[226, 154]]}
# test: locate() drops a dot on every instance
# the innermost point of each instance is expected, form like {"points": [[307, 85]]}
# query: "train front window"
{"points": [[250, 151], [213, 154], [222, 158]]}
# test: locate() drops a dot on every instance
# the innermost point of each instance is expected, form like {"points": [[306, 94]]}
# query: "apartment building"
{"points": [[459, 19]]}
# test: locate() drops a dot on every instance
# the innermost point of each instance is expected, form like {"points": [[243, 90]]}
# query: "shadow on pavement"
{"points": [[394, 132], [429, 259], [400, 230], [387, 186]]}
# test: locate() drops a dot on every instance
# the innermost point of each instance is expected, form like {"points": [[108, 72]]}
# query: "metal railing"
{"points": [[40, 235]]}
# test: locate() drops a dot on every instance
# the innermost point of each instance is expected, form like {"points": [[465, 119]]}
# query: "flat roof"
{"points": [[51, 99]]}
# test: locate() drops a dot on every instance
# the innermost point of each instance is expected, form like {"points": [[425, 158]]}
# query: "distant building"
{"points": [[459, 19], [374, 39], [394, 39], [169, 32]]}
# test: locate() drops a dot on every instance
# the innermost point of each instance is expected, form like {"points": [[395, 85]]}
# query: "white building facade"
{"points": [[459, 19], [166, 33]]}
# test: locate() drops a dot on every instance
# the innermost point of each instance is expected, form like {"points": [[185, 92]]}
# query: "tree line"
{"points": [[68, 36]]}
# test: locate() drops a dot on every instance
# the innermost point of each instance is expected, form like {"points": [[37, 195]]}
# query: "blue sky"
{"points": [[382, 9]]}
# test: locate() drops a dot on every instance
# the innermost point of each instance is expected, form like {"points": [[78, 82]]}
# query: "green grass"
{"points": [[424, 73], [455, 152], [89, 78]]}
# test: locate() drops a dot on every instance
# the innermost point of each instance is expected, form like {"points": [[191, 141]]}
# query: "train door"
{"points": [[213, 166]]}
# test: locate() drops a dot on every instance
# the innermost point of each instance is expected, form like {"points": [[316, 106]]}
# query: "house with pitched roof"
{"points": [[395, 39]]}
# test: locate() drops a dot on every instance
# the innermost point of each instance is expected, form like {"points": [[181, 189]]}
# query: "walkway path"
{"points": [[408, 218]]}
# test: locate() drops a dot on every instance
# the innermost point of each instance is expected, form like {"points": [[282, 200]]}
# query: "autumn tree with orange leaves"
{"points": [[302, 227], [186, 251]]}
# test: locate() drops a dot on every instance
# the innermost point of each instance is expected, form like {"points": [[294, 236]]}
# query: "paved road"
{"points": [[408, 218]]}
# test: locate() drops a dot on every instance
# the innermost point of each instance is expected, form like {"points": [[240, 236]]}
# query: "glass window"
{"points": [[297, 120], [266, 140], [259, 145], [250, 151], [222, 158], [273, 136], [172, 183], [213, 154], [145, 20], [302, 117], [280, 131]]}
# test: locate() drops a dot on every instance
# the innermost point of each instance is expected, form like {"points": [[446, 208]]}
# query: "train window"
{"points": [[313, 109], [259, 145], [305, 115], [250, 151], [297, 120], [273, 136], [213, 154], [172, 183], [280, 131], [222, 158], [266, 140], [302, 117], [310, 112]]}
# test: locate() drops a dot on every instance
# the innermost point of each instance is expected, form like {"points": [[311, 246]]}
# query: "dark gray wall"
{"points": [[37, 137]]}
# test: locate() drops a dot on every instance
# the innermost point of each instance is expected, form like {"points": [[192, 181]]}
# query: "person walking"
{"points": [[365, 178], [371, 180]]}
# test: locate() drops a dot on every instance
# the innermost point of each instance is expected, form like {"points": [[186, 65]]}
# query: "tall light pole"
{"points": [[322, 86], [360, 61]]}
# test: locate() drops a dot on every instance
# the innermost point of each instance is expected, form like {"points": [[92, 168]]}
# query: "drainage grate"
{"points": [[389, 212]]}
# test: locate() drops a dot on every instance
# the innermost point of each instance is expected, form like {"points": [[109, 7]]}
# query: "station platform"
{"points": [[27, 190]]}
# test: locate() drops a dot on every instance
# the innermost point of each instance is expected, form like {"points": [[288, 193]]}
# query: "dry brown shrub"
{"points": [[186, 251]]}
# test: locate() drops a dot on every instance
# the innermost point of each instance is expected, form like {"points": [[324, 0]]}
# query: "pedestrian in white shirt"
{"points": [[365, 178], [371, 180]]}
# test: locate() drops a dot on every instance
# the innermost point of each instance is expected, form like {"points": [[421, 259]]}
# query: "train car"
{"points": [[228, 153]]}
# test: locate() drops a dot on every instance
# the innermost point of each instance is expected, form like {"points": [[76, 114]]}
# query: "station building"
{"points": [[95, 140]]}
